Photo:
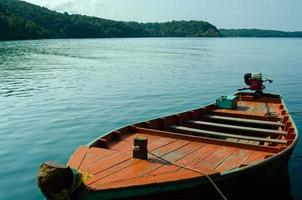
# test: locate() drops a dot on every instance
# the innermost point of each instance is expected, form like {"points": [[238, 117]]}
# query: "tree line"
{"points": [[257, 33], [22, 20]]}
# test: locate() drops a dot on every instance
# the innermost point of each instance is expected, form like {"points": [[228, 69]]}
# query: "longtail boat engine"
{"points": [[255, 83]]}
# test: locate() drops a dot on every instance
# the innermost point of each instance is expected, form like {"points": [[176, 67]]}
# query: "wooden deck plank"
{"points": [[154, 142], [143, 167], [247, 109], [191, 159], [176, 155], [239, 128], [104, 164], [238, 119], [107, 162], [93, 154], [237, 158], [170, 147], [243, 96], [158, 178], [213, 160], [257, 108], [183, 151], [123, 145], [111, 170], [160, 143], [167, 168], [120, 145], [256, 156], [77, 157], [138, 169], [127, 142], [220, 134]]}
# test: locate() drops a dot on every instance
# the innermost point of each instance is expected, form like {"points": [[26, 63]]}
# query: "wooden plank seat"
{"points": [[243, 114], [240, 128], [226, 135], [243, 120], [208, 140]]}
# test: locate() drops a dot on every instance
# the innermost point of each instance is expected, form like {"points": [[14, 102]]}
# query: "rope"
{"points": [[195, 170], [271, 115]]}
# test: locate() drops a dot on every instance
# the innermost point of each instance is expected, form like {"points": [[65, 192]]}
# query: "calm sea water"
{"points": [[58, 94]]}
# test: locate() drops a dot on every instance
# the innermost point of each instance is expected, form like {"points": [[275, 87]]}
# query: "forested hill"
{"points": [[22, 20], [258, 33]]}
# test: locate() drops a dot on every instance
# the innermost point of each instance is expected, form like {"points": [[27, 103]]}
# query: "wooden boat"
{"points": [[207, 151]]}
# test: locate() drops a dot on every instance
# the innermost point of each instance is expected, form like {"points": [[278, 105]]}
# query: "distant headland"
{"points": [[20, 20], [258, 33]]}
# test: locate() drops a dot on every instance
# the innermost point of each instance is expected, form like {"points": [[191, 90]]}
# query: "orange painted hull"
{"points": [[245, 146]]}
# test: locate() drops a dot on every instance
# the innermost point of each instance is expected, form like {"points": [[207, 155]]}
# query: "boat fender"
{"points": [[58, 182]]}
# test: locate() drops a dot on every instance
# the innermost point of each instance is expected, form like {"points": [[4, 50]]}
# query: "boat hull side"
{"points": [[247, 183]]}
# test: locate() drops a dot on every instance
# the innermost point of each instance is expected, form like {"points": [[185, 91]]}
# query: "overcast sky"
{"points": [[265, 14]]}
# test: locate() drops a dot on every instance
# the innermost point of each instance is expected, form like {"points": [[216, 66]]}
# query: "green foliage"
{"points": [[257, 33], [21, 20], [13, 26], [181, 29]]}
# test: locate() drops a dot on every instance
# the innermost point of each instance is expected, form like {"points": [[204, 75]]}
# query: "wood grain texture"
{"points": [[213, 160], [256, 156], [77, 157], [138, 169], [237, 158], [183, 151], [198, 155], [152, 179], [170, 147], [93, 154]]}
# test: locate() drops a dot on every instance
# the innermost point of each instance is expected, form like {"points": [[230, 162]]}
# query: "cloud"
{"points": [[89, 7]]}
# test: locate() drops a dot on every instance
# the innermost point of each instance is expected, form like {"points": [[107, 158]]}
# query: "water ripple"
{"points": [[58, 94]]}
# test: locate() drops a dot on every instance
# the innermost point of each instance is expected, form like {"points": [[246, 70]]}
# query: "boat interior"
{"points": [[207, 140]]}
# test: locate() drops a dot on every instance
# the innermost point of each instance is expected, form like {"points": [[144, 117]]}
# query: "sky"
{"points": [[283, 15]]}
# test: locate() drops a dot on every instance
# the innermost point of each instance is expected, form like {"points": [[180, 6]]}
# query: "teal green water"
{"points": [[58, 94]]}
